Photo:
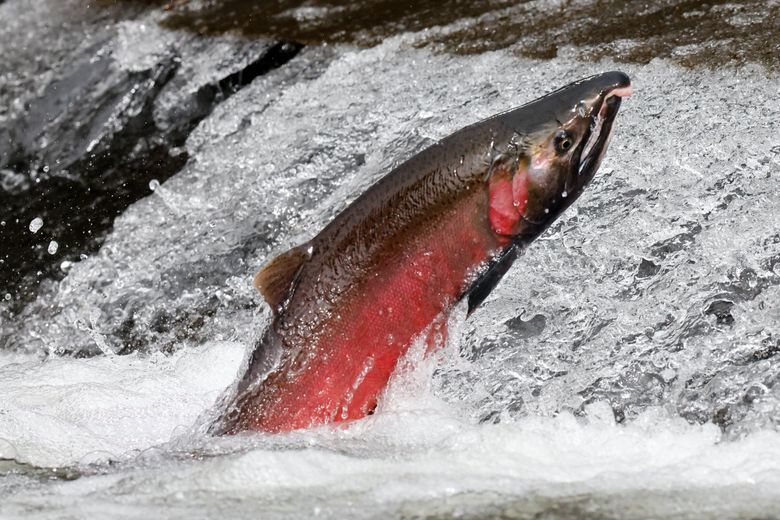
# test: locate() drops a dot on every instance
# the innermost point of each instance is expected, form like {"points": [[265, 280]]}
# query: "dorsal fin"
{"points": [[277, 277]]}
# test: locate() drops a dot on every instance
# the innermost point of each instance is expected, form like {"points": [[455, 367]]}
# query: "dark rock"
{"points": [[538, 30], [88, 147]]}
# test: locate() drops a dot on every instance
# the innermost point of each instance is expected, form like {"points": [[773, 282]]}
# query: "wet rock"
{"points": [[690, 32], [89, 145], [324, 20]]}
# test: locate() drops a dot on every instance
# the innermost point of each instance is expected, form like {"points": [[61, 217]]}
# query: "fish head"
{"points": [[560, 144]]}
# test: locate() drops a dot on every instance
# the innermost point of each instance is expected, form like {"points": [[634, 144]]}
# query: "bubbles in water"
{"points": [[154, 184], [53, 246], [12, 182], [36, 224]]}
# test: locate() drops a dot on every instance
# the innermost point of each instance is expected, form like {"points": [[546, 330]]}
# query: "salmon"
{"points": [[445, 225]]}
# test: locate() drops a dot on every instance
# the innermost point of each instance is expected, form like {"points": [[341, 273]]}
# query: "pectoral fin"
{"points": [[276, 279], [485, 284]]}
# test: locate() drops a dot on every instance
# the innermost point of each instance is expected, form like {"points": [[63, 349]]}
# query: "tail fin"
{"points": [[263, 360]]}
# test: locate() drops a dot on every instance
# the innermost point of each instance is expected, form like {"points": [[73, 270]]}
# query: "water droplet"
{"points": [[154, 184], [82, 256], [565, 194], [66, 265], [7, 296], [546, 210], [53, 246], [36, 224]]}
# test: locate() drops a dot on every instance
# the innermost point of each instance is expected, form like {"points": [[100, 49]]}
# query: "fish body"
{"points": [[443, 226]]}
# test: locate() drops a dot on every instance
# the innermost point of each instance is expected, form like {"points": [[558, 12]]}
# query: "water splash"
{"points": [[36, 224], [609, 363]]}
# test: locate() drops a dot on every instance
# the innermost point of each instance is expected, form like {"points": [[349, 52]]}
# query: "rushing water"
{"points": [[626, 367]]}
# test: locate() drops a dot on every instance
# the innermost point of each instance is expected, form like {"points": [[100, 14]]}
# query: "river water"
{"points": [[627, 366]]}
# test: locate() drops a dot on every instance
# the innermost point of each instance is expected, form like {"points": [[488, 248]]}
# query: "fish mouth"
{"points": [[600, 130]]}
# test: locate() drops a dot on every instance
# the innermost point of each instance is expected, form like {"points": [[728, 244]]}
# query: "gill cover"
{"points": [[559, 141]]}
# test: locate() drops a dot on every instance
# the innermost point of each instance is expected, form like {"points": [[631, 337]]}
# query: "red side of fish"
{"points": [[445, 224], [359, 352]]}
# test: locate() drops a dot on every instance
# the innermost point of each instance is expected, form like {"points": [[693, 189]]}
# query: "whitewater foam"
{"points": [[598, 379]]}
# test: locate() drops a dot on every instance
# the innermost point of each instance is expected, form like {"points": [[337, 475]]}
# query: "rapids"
{"points": [[626, 367]]}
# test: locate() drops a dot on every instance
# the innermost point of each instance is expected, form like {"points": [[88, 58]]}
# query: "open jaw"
{"points": [[601, 130]]}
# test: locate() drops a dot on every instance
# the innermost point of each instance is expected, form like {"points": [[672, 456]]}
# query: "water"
{"points": [[625, 368]]}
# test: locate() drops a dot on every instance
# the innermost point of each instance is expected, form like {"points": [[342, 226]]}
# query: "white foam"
{"points": [[63, 411], [429, 460], [689, 184]]}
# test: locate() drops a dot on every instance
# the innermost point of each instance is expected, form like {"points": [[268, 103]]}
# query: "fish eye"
{"points": [[563, 141]]}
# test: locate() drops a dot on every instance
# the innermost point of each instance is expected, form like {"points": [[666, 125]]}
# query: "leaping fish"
{"points": [[445, 225]]}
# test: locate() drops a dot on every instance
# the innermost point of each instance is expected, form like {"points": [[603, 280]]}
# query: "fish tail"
{"points": [[262, 361]]}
